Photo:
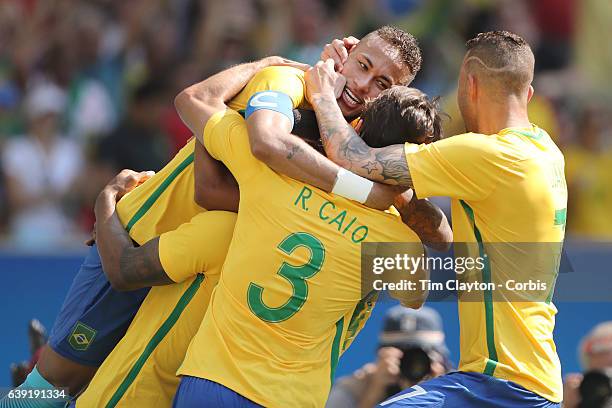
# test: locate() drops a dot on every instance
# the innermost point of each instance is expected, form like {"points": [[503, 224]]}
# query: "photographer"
{"points": [[593, 389], [411, 349]]}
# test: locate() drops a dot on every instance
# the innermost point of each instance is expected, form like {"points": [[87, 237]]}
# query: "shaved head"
{"points": [[503, 61]]}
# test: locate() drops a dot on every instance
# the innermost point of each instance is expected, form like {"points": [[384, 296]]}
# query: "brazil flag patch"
{"points": [[81, 337]]}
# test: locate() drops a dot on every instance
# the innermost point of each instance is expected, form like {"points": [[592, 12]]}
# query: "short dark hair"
{"points": [[404, 43], [399, 115], [505, 57]]}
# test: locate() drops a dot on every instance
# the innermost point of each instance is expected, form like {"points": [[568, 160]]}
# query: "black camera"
{"points": [[415, 365], [596, 389]]}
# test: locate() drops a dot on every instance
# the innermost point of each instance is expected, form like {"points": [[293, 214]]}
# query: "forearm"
{"points": [[343, 145], [127, 267], [218, 89], [111, 237], [412, 298], [427, 220], [335, 131], [290, 155]]}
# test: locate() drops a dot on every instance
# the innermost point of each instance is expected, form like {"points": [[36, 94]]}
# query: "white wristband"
{"points": [[352, 186]]}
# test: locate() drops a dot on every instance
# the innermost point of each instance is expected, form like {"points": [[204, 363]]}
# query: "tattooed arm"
{"points": [[342, 144], [426, 219], [127, 267], [272, 143]]}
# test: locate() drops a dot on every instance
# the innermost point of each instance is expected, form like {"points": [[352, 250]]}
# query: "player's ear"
{"points": [[472, 87], [530, 93]]}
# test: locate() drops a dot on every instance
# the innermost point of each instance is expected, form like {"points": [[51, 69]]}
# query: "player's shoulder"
{"points": [[287, 80], [280, 72], [225, 120], [476, 143]]}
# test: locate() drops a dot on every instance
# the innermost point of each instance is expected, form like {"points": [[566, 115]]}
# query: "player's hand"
{"points": [[403, 199], [338, 50], [387, 366], [323, 80], [382, 196], [284, 62], [571, 392], [126, 181]]}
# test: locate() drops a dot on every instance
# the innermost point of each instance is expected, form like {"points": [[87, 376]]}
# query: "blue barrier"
{"points": [[35, 287]]}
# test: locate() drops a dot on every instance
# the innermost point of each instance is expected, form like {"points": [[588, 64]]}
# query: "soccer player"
{"points": [[506, 181], [140, 355], [274, 339]]}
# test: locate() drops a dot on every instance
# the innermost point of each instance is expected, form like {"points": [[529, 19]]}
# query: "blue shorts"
{"points": [[94, 316], [461, 389], [194, 392]]}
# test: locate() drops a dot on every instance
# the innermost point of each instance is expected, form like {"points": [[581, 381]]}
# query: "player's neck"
{"points": [[501, 115]]}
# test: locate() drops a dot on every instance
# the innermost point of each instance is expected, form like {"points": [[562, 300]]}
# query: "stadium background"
{"points": [[107, 71]]}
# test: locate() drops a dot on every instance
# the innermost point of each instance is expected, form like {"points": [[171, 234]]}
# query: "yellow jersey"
{"points": [[291, 281], [141, 370], [165, 201], [508, 191]]}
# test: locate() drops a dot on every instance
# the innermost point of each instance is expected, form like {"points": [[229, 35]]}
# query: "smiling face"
{"points": [[372, 66]]}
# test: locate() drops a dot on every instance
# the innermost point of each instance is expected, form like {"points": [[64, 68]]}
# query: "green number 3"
{"points": [[296, 275]]}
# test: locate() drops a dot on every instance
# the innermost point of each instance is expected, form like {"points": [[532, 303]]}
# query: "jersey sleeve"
{"points": [[286, 80], [226, 139], [462, 167], [198, 246]]}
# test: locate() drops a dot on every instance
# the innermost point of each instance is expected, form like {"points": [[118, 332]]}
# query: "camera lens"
{"points": [[415, 364]]}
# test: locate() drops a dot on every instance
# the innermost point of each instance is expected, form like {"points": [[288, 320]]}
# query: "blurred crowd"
{"points": [[86, 87]]}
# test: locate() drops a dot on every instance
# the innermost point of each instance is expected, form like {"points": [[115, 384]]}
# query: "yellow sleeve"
{"points": [[462, 167], [226, 139], [197, 246], [287, 80]]}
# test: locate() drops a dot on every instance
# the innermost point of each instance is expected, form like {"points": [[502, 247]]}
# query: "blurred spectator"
{"points": [[593, 389], [137, 143], [411, 350], [41, 168], [184, 75], [102, 52], [593, 57], [555, 20], [90, 76], [309, 22], [588, 164]]}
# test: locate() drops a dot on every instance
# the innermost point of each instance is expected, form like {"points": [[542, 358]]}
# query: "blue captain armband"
{"points": [[270, 100]]}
